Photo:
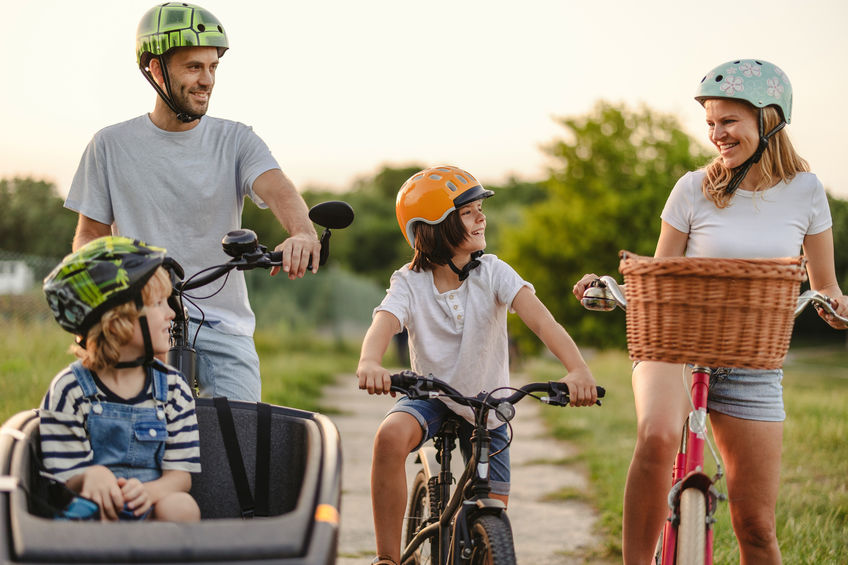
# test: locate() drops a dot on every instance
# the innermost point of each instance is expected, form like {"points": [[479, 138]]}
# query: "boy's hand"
{"points": [[136, 497], [374, 378], [582, 388], [100, 485]]}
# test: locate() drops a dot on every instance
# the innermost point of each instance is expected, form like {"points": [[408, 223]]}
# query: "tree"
{"points": [[612, 176], [372, 246], [34, 221]]}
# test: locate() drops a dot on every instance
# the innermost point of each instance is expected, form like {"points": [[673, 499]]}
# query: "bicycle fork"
{"points": [[688, 471]]}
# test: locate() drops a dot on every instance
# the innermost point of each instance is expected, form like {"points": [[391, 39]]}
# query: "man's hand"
{"points": [[298, 250]]}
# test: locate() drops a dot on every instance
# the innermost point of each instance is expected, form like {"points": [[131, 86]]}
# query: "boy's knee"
{"points": [[397, 436]]}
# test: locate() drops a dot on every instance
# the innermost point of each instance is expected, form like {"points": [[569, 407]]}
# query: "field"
{"points": [[813, 506]]}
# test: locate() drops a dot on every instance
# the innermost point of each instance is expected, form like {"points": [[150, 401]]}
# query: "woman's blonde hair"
{"points": [[779, 162], [116, 326]]}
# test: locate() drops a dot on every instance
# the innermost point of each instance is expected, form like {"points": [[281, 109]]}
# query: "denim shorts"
{"points": [[227, 364], [748, 394], [431, 412]]}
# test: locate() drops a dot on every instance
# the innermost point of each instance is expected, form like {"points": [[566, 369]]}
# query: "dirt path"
{"points": [[548, 529]]}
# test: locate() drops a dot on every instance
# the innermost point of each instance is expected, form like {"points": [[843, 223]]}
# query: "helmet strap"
{"points": [[470, 266], [165, 94], [742, 170], [148, 357]]}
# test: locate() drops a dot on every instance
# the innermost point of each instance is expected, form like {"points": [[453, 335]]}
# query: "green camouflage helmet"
{"points": [[758, 82], [176, 24], [101, 275]]}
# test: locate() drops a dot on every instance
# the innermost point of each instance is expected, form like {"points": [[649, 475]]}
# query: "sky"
{"points": [[339, 88]]}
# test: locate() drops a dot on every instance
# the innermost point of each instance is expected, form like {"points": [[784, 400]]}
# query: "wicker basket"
{"points": [[710, 311]]}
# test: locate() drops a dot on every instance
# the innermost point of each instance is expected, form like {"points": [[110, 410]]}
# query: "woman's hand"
{"points": [[840, 304], [582, 284]]}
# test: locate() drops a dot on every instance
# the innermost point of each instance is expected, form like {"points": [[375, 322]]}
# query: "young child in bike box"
{"points": [[117, 425], [453, 300]]}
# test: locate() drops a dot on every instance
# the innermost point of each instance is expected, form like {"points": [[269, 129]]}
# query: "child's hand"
{"points": [[100, 485], [374, 378], [136, 497], [581, 387]]}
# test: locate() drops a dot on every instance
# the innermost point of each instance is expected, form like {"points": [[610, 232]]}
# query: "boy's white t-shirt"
{"points": [[763, 224], [459, 336]]}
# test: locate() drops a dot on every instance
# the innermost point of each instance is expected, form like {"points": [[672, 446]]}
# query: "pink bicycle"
{"points": [[687, 537]]}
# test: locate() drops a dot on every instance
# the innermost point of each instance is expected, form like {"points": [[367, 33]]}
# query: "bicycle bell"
{"points": [[598, 297], [505, 411], [240, 242]]}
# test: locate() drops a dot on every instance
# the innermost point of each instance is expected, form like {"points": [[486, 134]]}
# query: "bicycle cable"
{"points": [[190, 298]]}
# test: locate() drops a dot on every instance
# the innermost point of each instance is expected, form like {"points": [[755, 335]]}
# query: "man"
{"points": [[177, 179]]}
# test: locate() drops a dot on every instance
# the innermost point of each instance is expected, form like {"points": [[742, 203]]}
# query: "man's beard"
{"points": [[182, 100]]}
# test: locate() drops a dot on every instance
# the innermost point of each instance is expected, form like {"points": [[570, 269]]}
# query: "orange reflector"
{"points": [[327, 513]]}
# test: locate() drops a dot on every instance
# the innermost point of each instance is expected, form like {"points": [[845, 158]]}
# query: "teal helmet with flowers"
{"points": [[755, 81], [758, 83]]}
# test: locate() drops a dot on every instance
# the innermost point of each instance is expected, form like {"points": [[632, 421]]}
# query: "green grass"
{"points": [[812, 512], [295, 366]]}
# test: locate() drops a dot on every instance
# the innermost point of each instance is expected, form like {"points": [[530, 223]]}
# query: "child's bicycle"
{"points": [[467, 527], [269, 489], [687, 537]]}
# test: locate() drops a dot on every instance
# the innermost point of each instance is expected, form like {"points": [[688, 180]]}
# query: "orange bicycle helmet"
{"points": [[431, 194]]}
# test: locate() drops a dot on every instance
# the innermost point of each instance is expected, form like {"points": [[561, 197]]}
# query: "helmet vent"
{"points": [[201, 28], [719, 78], [435, 177], [451, 186]]}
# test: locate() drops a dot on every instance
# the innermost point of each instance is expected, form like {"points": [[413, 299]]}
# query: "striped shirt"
{"points": [[65, 445]]}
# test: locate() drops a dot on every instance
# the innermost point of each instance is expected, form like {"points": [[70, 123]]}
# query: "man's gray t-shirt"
{"points": [[179, 190]]}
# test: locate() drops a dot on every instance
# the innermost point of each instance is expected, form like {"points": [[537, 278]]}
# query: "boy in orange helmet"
{"points": [[453, 300]]}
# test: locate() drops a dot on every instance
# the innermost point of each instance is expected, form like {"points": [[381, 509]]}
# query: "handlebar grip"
{"points": [[404, 379], [276, 258]]}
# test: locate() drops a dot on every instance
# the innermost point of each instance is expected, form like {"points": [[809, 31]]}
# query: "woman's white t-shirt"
{"points": [[763, 224]]}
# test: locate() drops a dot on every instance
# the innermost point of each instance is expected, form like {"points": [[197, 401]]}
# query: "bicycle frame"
{"points": [[452, 521], [456, 512], [604, 294], [688, 470]]}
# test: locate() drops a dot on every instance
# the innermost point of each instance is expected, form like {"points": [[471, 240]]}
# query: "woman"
{"points": [[756, 199]]}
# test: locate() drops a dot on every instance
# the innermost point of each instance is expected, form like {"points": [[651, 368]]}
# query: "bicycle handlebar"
{"points": [[246, 252], [604, 294], [416, 386]]}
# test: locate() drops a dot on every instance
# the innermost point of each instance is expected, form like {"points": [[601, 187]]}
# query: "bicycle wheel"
{"points": [[418, 515], [491, 539], [692, 531]]}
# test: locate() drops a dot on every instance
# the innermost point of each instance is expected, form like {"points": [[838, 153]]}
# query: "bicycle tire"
{"points": [[491, 539], [692, 531], [418, 514]]}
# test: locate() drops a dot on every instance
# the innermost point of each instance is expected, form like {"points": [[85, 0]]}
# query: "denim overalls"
{"points": [[129, 440]]}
